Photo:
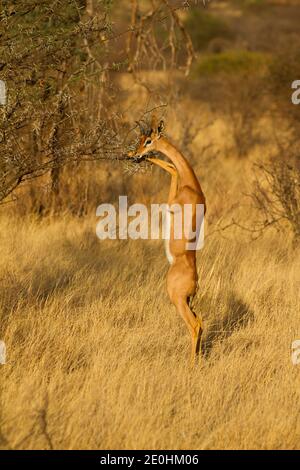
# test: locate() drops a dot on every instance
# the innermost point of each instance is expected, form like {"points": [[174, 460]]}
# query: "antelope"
{"points": [[182, 277]]}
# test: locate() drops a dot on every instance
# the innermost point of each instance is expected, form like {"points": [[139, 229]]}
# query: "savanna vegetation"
{"points": [[96, 356]]}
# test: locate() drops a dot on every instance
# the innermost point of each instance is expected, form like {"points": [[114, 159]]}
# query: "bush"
{"points": [[234, 83], [230, 62], [277, 193], [203, 27], [251, 3]]}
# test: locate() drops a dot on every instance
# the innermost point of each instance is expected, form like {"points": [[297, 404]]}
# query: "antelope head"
{"points": [[148, 139]]}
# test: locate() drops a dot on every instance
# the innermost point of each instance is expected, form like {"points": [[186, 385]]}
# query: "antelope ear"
{"points": [[153, 122], [140, 126], [160, 127]]}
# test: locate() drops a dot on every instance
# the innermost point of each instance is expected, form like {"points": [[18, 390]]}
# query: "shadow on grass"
{"points": [[238, 316]]}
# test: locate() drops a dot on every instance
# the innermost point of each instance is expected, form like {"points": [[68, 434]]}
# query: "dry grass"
{"points": [[97, 358]]}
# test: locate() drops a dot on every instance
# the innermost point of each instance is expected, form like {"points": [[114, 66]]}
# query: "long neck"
{"points": [[185, 171]]}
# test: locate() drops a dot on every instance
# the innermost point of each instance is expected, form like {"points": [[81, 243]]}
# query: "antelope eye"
{"points": [[148, 142]]}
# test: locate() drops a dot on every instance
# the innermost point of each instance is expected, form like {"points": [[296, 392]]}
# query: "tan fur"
{"points": [[182, 279]]}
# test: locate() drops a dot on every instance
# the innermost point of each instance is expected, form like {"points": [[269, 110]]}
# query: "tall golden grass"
{"points": [[98, 358]]}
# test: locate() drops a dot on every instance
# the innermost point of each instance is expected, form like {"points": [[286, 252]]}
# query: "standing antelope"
{"points": [[182, 278]]}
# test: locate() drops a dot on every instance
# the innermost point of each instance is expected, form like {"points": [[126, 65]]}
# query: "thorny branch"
{"points": [[55, 60]]}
